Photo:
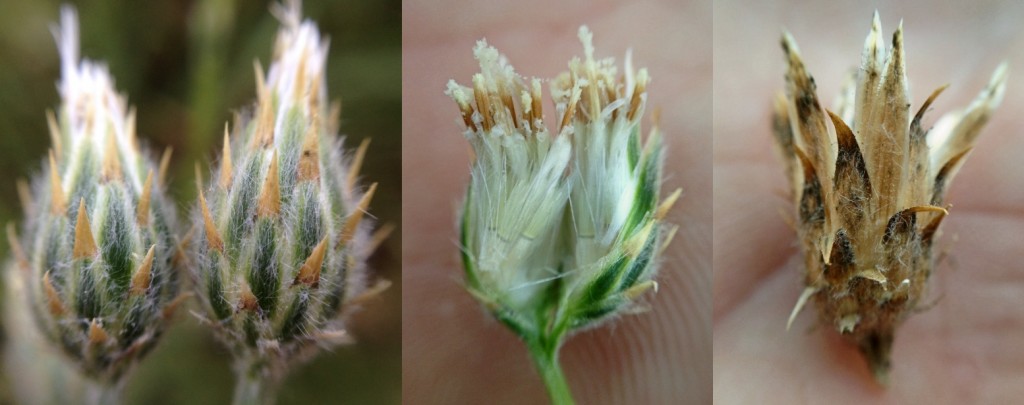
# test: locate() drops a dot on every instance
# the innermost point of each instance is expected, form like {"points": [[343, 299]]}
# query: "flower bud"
{"points": [[96, 249], [282, 239]]}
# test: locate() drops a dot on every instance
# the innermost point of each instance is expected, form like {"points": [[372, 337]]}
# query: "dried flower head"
{"points": [[559, 231], [98, 242], [869, 183], [281, 237]]}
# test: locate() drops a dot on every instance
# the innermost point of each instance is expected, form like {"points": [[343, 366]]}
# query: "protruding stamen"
{"points": [[143, 211], [85, 245], [270, 199], [666, 205], [142, 277], [97, 335], [483, 106], [58, 202], [52, 298], [212, 237], [19, 253], [309, 274], [357, 163], [165, 164], [352, 223], [225, 166], [571, 110], [642, 80]]}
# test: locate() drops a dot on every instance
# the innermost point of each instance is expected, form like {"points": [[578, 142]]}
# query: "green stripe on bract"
{"points": [[263, 276], [296, 315], [607, 281], [116, 244], [243, 203], [642, 262], [87, 302], [214, 288]]}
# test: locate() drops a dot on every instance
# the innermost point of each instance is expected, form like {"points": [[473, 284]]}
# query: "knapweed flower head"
{"points": [[559, 230], [97, 247], [281, 241], [869, 181]]}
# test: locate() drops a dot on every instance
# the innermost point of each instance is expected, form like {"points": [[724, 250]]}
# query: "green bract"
{"points": [[280, 246], [559, 233], [98, 243]]}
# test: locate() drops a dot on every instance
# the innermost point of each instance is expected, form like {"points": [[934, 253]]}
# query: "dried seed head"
{"points": [[523, 247], [869, 206], [285, 235], [104, 262]]}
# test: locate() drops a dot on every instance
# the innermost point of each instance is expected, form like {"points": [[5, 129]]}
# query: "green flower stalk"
{"points": [[280, 252], [97, 248], [560, 232]]}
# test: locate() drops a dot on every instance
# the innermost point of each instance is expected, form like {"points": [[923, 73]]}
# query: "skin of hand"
{"points": [[453, 351], [965, 349]]}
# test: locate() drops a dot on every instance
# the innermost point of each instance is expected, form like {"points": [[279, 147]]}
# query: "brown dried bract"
{"points": [[868, 183]]}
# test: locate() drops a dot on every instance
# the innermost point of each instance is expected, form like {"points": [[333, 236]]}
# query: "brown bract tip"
{"points": [[58, 203], [111, 161], [96, 333], [309, 161], [348, 231], [212, 237], [357, 162], [85, 245], [143, 211], [309, 274], [270, 198], [52, 298], [225, 167], [142, 277]]}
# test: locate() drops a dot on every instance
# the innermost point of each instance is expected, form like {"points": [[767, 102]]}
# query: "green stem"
{"points": [[100, 393], [545, 356], [256, 385]]}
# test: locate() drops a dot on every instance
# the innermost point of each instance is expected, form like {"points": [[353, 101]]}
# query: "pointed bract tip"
{"points": [[270, 198], [225, 166], [212, 237], [97, 335], [309, 274], [16, 249], [357, 162], [247, 300], [85, 245], [348, 231], [143, 211], [111, 170], [165, 164], [52, 298], [58, 203], [309, 161], [142, 277], [667, 205], [55, 134]]}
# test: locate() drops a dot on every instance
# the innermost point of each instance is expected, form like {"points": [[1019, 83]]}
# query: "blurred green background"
{"points": [[186, 65]]}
